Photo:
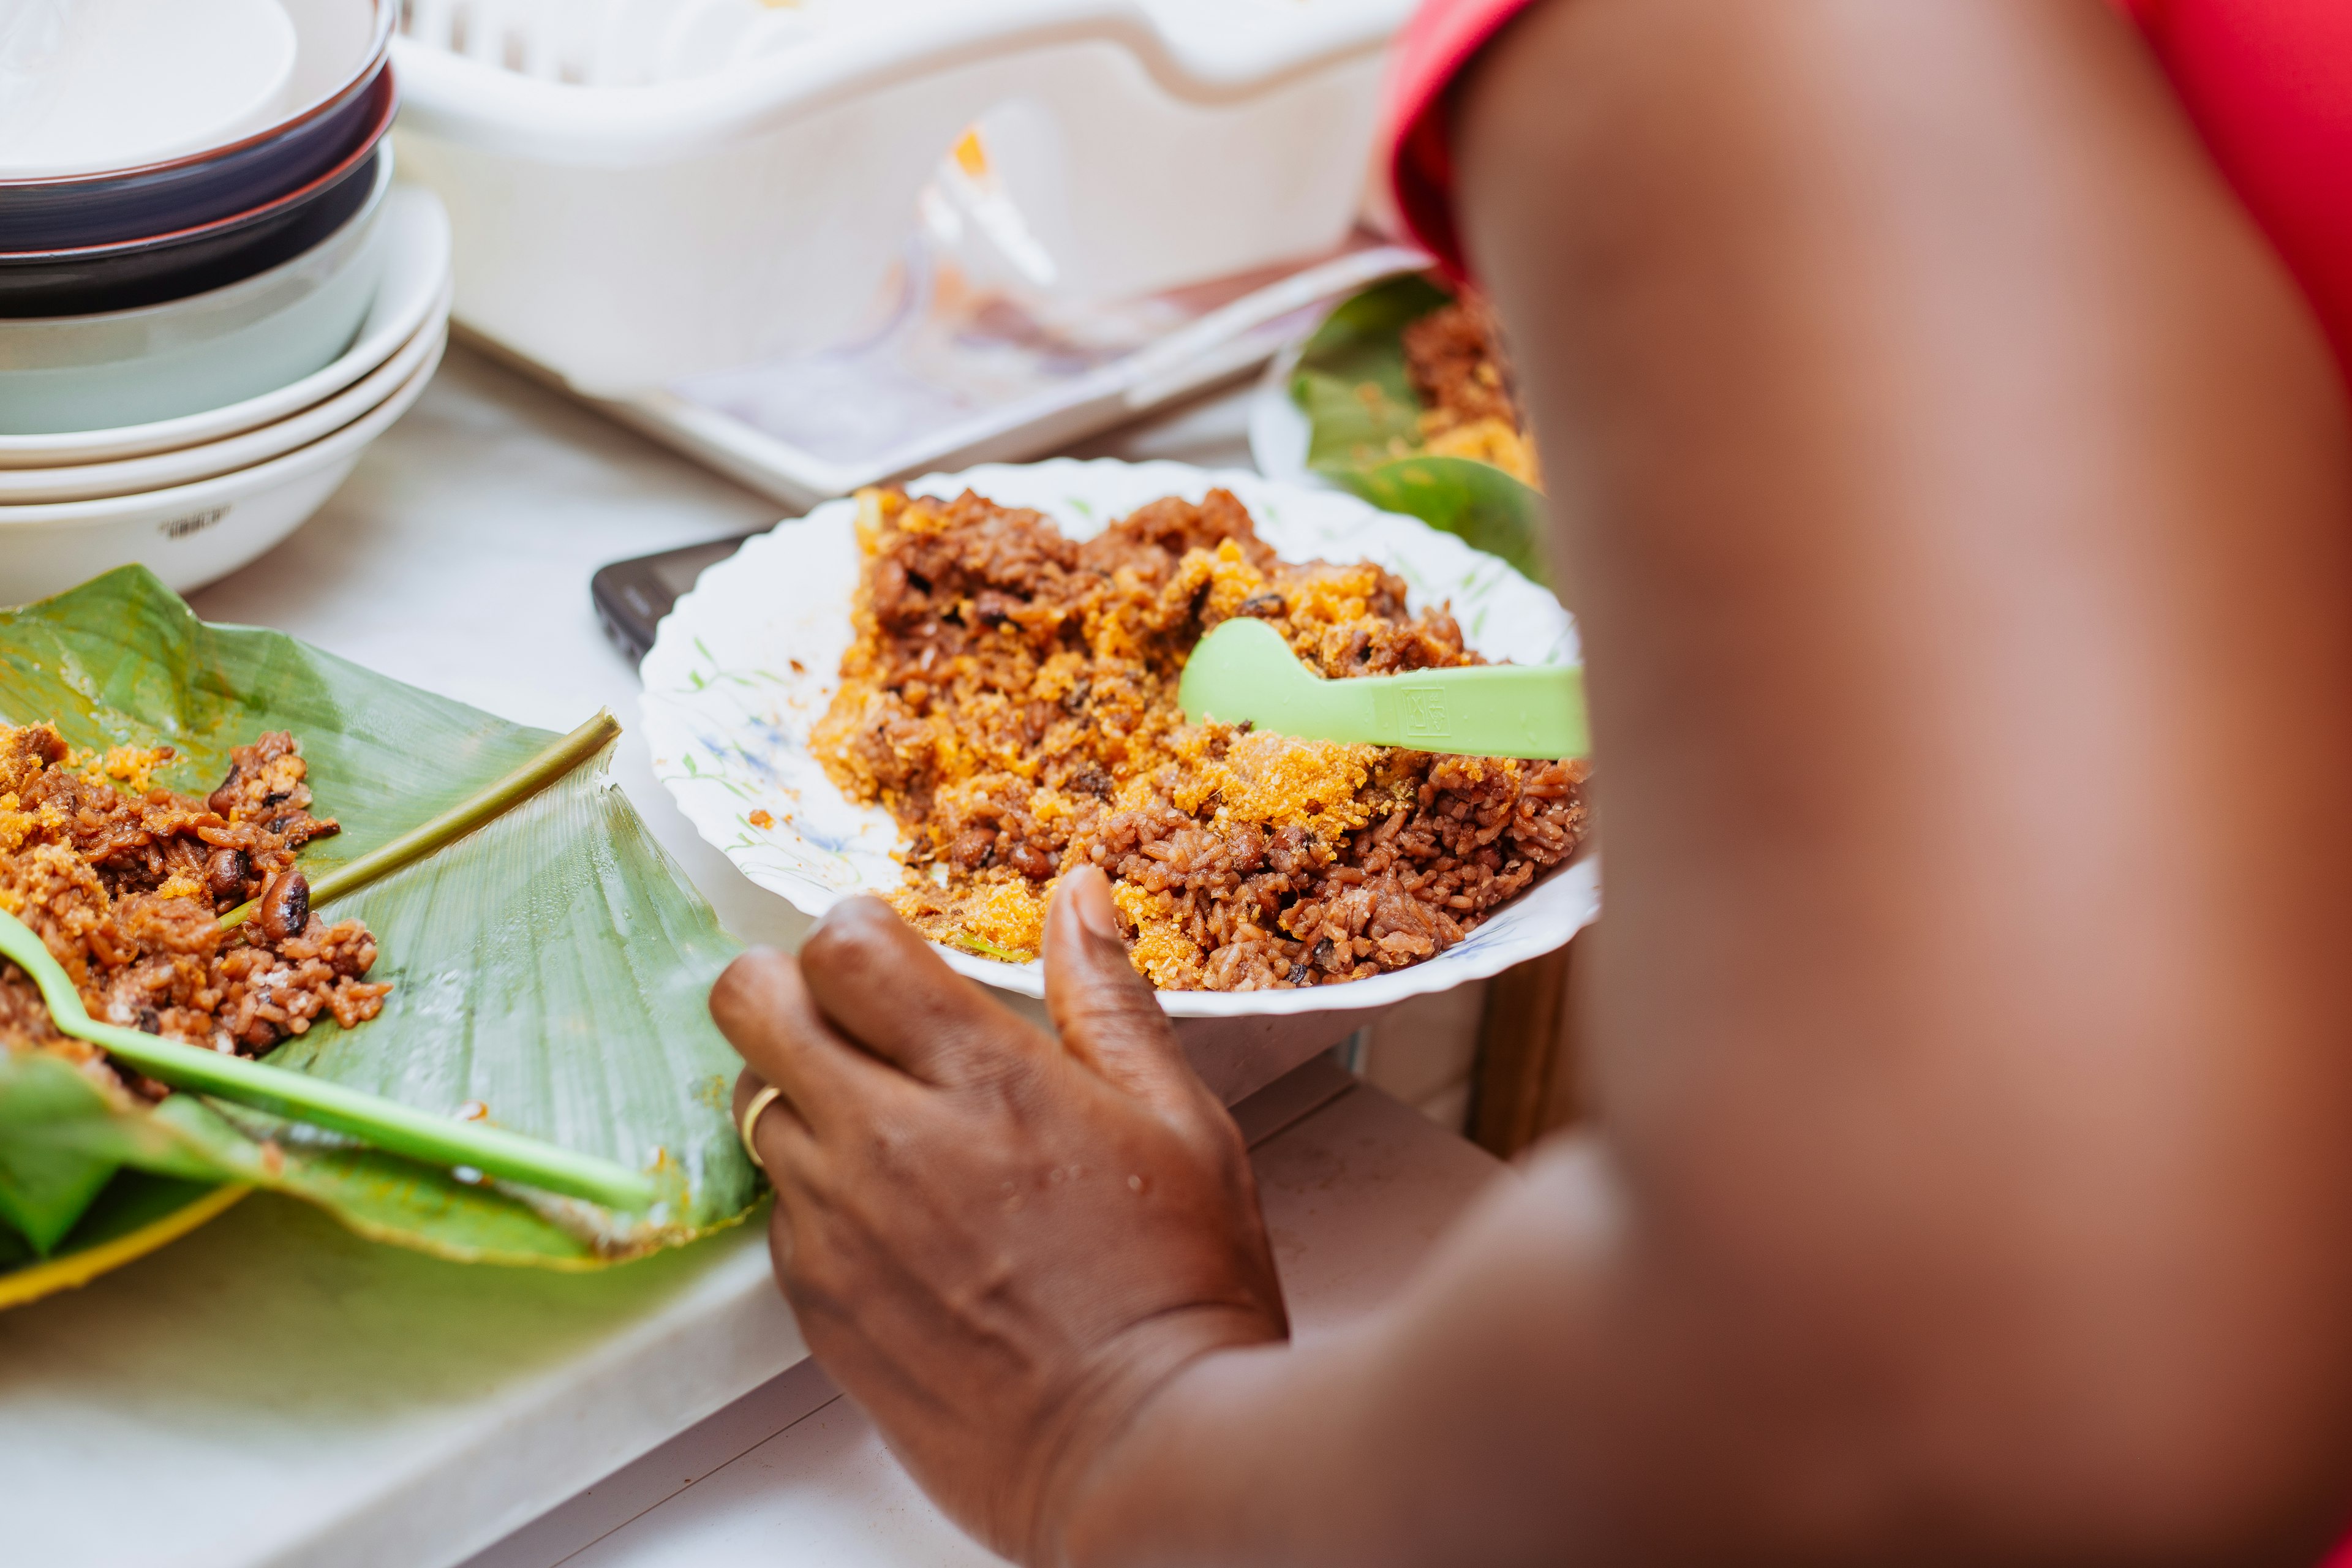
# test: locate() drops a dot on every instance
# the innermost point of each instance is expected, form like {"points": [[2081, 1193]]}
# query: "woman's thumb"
{"points": [[1106, 1014]]}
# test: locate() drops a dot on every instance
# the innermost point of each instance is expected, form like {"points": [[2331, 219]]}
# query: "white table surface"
{"points": [[289, 1395]]}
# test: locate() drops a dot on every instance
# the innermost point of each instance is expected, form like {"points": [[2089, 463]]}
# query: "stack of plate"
{"points": [[212, 297]]}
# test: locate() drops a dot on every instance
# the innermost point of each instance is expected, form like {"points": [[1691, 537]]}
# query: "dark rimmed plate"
{"points": [[173, 266], [72, 212]]}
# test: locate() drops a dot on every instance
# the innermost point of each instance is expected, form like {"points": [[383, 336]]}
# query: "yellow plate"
{"points": [[136, 1215]]}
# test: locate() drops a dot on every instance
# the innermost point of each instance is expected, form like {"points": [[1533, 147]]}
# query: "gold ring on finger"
{"points": [[769, 1094]]}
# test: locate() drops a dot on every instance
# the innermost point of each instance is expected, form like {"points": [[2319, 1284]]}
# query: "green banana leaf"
{"points": [[137, 1213], [1364, 424], [549, 968]]}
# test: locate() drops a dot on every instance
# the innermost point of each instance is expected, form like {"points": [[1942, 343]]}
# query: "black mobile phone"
{"points": [[632, 596]]}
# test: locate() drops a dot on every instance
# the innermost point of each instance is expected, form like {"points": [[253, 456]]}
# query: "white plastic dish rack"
{"points": [[644, 190]]}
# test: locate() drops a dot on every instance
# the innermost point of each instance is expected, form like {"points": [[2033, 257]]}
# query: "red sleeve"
{"points": [[1441, 39], [2269, 85], [2267, 82]]}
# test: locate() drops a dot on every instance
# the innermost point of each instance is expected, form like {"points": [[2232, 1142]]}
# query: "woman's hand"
{"points": [[998, 1244]]}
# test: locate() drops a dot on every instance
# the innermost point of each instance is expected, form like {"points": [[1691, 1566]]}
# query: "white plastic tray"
{"points": [[741, 207], [929, 393]]}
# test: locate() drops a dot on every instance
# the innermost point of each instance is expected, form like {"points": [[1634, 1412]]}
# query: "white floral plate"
{"points": [[749, 661]]}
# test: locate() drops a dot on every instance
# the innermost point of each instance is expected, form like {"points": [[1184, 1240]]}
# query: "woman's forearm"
{"points": [[1429, 1434], [1957, 503]]}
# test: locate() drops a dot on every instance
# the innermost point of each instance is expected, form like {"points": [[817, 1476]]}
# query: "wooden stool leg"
{"points": [[1523, 1082]]}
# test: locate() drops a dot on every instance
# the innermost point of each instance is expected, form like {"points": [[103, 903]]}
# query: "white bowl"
{"points": [[134, 367], [415, 240], [749, 661], [116, 84], [336, 41], [189, 534], [134, 476]]}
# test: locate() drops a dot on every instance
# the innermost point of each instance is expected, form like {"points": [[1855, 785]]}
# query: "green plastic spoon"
{"points": [[1243, 672], [385, 1123]]}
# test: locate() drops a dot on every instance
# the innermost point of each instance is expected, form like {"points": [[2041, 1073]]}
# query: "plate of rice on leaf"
{"points": [[1405, 395], [948, 694], [231, 840]]}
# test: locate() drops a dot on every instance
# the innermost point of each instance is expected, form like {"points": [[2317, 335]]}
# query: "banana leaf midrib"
{"points": [[487, 806]]}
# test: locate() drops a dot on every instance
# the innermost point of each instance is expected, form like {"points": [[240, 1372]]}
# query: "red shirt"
{"points": [[2268, 84]]}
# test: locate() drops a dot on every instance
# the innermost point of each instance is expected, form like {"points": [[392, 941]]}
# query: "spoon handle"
{"points": [[1485, 710], [1245, 671]]}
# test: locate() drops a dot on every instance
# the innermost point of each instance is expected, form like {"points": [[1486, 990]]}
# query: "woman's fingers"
{"points": [[1107, 1012], [878, 983], [762, 1004]]}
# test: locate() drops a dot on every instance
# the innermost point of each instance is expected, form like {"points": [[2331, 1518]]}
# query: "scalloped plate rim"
{"points": [[673, 693]]}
